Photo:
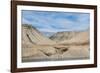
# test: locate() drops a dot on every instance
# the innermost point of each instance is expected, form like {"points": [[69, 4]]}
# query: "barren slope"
{"points": [[37, 47], [77, 42], [81, 37], [32, 37]]}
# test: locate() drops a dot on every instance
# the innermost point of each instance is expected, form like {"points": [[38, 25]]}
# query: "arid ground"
{"points": [[69, 45]]}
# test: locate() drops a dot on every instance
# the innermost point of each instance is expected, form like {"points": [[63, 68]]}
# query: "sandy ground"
{"points": [[51, 53], [37, 47]]}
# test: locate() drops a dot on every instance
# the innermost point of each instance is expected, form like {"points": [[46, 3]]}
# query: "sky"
{"points": [[50, 21]]}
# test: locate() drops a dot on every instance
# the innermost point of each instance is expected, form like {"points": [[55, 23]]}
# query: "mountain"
{"points": [[60, 46], [60, 36], [80, 38], [31, 35], [77, 43], [71, 37], [32, 40]]}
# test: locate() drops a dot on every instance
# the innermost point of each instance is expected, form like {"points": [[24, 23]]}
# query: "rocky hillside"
{"points": [[71, 37], [32, 36], [61, 36], [62, 45]]}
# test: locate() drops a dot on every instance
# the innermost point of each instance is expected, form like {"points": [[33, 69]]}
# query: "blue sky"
{"points": [[51, 21]]}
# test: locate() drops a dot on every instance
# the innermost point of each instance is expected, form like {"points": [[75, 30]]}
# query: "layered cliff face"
{"points": [[61, 45], [32, 40], [32, 35]]}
